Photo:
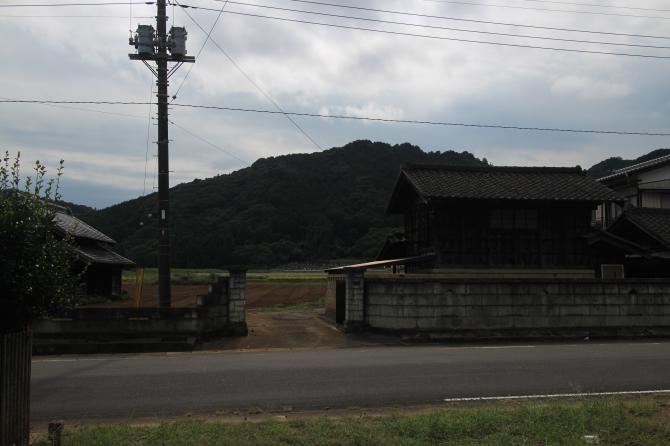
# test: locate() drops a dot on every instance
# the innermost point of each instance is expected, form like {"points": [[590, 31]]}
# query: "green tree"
{"points": [[37, 267]]}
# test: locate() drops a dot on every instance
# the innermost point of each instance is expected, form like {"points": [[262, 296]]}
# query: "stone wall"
{"points": [[509, 307], [221, 312]]}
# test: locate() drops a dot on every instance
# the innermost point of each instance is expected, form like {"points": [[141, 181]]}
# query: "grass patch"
{"points": [[616, 421]]}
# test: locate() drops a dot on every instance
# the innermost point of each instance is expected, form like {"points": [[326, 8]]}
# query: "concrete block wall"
{"points": [[221, 312], [237, 284], [508, 306], [354, 315]]}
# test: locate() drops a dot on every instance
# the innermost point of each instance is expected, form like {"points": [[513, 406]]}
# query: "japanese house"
{"points": [[635, 234], [103, 266], [643, 185], [523, 221]]}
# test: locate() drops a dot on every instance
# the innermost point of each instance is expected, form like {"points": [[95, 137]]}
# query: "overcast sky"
{"points": [[316, 69]]}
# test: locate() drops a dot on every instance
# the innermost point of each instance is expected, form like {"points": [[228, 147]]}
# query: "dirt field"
{"points": [[259, 295]]}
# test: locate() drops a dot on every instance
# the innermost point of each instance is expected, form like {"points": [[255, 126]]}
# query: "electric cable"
{"points": [[453, 39], [202, 47], [350, 117], [252, 82], [528, 8], [22, 16], [146, 151], [211, 144], [599, 6], [438, 123], [417, 25], [460, 19], [56, 5]]}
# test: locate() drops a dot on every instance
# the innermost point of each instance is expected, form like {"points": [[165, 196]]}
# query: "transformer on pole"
{"points": [[160, 48]]}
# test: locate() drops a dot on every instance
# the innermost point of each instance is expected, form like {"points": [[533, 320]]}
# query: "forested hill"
{"points": [[606, 167], [294, 208]]}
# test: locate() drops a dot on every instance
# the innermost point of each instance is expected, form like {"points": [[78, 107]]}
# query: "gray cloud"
{"points": [[311, 69]]}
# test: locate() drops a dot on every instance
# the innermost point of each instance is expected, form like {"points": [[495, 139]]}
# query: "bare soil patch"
{"points": [[259, 295]]}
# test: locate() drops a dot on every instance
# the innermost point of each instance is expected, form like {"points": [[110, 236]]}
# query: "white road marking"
{"points": [[504, 346], [554, 395]]}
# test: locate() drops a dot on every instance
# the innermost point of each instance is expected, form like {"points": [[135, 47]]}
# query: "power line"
{"points": [[571, 11], [411, 121], [459, 19], [50, 5], [146, 151], [202, 47], [356, 118], [251, 81], [34, 101], [453, 39], [56, 104], [417, 25], [211, 144], [599, 6], [71, 16]]}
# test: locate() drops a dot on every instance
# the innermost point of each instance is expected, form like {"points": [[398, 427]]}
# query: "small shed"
{"points": [[103, 266]]}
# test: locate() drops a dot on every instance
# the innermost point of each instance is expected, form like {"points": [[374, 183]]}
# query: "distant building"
{"points": [[498, 220], [635, 234], [102, 276], [643, 185]]}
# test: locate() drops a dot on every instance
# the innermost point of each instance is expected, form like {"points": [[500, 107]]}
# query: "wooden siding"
{"points": [[491, 234]]}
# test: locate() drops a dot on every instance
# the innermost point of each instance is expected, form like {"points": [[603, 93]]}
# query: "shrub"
{"points": [[37, 267]]}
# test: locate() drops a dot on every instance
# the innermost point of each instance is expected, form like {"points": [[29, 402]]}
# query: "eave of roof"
{"points": [[101, 255], [639, 167], [378, 263]]}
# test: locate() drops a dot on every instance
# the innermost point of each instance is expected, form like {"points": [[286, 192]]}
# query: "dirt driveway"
{"points": [[279, 317]]}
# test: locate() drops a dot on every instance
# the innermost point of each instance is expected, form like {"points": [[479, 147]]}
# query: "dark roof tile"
{"points": [[507, 183], [101, 254], [69, 224], [655, 222]]}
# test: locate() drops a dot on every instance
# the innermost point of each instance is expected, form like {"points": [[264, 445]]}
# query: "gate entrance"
{"points": [[340, 302]]}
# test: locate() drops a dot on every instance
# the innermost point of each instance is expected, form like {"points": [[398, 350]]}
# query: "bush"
{"points": [[37, 267]]}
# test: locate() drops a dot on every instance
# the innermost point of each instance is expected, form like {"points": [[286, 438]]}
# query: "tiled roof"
{"points": [[655, 222], [100, 254], [636, 167], [506, 183], [69, 224]]}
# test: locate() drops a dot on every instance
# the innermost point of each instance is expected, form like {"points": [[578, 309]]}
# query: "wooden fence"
{"points": [[15, 355]]}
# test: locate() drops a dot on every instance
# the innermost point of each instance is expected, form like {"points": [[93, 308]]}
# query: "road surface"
{"points": [[128, 386]]}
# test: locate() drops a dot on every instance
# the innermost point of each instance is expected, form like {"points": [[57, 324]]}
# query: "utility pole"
{"points": [[155, 47]]}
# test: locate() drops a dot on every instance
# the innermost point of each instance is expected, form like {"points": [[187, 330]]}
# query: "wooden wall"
{"points": [[501, 234]]}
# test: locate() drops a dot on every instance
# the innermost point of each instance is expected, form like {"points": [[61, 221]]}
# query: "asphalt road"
{"points": [[202, 383]]}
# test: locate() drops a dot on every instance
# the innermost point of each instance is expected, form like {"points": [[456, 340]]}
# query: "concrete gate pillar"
{"points": [[237, 301], [354, 316]]}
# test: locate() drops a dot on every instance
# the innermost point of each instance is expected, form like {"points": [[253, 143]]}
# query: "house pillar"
{"points": [[354, 318], [237, 301]]}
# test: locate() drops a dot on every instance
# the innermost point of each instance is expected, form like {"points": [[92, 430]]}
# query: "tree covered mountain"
{"points": [[606, 167], [293, 208]]}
